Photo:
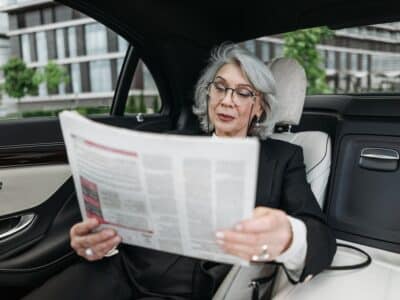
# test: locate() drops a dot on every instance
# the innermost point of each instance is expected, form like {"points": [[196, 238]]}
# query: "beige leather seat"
{"points": [[291, 85], [381, 279], [291, 90]]}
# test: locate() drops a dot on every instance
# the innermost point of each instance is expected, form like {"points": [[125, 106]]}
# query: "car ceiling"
{"points": [[211, 22]]}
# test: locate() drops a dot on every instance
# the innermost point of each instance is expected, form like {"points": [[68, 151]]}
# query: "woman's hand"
{"points": [[263, 237], [100, 243]]}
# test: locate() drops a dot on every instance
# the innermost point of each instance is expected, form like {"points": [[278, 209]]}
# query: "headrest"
{"points": [[291, 85]]}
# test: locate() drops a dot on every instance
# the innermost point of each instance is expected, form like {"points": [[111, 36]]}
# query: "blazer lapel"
{"points": [[266, 172]]}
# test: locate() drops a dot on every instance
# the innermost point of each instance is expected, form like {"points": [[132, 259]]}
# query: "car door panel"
{"points": [[362, 204], [35, 178], [43, 249], [45, 214], [26, 187]]}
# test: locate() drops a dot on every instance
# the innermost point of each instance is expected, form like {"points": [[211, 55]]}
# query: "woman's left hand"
{"points": [[269, 230]]}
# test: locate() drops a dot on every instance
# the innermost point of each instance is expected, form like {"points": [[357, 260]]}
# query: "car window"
{"points": [[143, 95], [54, 58], [361, 60]]}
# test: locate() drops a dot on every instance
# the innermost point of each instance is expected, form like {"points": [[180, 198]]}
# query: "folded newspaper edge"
{"points": [[162, 191]]}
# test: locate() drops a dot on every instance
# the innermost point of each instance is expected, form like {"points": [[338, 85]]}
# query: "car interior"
{"points": [[351, 143]]}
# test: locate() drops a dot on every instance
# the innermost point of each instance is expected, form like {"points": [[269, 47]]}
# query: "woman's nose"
{"points": [[228, 98]]}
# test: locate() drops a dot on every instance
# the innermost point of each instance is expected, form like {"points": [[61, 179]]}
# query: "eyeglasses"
{"points": [[240, 96]]}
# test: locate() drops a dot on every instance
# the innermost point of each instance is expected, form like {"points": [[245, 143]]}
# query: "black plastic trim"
{"points": [[385, 106], [124, 82]]}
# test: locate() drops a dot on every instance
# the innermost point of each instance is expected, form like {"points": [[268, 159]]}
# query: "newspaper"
{"points": [[161, 191]]}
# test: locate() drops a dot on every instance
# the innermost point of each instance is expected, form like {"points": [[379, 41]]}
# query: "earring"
{"points": [[257, 124]]}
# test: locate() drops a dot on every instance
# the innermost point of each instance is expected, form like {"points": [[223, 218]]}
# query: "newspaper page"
{"points": [[161, 191]]}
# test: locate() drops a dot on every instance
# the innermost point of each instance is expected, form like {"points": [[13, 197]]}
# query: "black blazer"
{"points": [[281, 184]]}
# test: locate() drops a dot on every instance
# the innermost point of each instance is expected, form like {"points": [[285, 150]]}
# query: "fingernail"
{"points": [[219, 235], [238, 227]]}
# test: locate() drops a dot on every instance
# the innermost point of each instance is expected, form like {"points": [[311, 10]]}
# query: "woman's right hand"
{"points": [[101, 242]]}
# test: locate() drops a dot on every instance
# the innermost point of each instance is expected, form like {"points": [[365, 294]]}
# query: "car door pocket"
{"points": [[13, 225], [380, 159]]}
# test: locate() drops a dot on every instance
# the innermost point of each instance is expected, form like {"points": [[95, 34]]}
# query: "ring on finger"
{"points": [[263, 255], [112, 252], [89, 252]]}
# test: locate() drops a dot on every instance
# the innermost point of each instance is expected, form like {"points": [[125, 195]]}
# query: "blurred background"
{"points": [[54, 58]]}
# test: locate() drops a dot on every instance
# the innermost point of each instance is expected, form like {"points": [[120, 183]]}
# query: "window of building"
{"points": [[353, 62], [62, 88], [120, 61], [343, 60], [76, 79], [278, 50], [265, 51], [42, 88], [3, 22], [72, 42], [331, 60], [60, 43], [364, 62], [377, 63], [122, 44], [41, 47], [26, 50], [100, 76], [322, 57], [363, 31], [250, 45], [96, 39]]}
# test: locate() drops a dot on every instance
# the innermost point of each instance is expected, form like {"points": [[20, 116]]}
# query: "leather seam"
{"points": [[322, 159]]}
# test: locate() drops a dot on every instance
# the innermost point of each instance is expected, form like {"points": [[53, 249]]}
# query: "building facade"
{"points": [[356, 60], [42, 31]]}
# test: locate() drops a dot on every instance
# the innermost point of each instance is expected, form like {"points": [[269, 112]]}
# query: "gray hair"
{"points": [[259, 76]]}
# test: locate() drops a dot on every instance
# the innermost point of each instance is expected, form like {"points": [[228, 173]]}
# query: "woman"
{"points": [[234, 98]]}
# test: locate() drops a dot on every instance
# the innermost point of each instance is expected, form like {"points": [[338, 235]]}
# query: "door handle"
{"points": [[18, 223], [380, 159]]}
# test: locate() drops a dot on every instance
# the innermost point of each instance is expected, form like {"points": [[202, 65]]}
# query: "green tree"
{"points": [[131, 106], [53, 75], [302, 46], [19, 80], [156, 104], [142, 103]]}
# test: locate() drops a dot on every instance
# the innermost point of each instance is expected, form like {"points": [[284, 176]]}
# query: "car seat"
{"points": [[377, 281], [291, 84]]}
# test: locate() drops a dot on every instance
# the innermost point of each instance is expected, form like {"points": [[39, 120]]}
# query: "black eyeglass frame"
{"points": [[253, 94]]}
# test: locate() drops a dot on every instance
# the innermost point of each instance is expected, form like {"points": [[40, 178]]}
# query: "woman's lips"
{"points": [[225, 118]]}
